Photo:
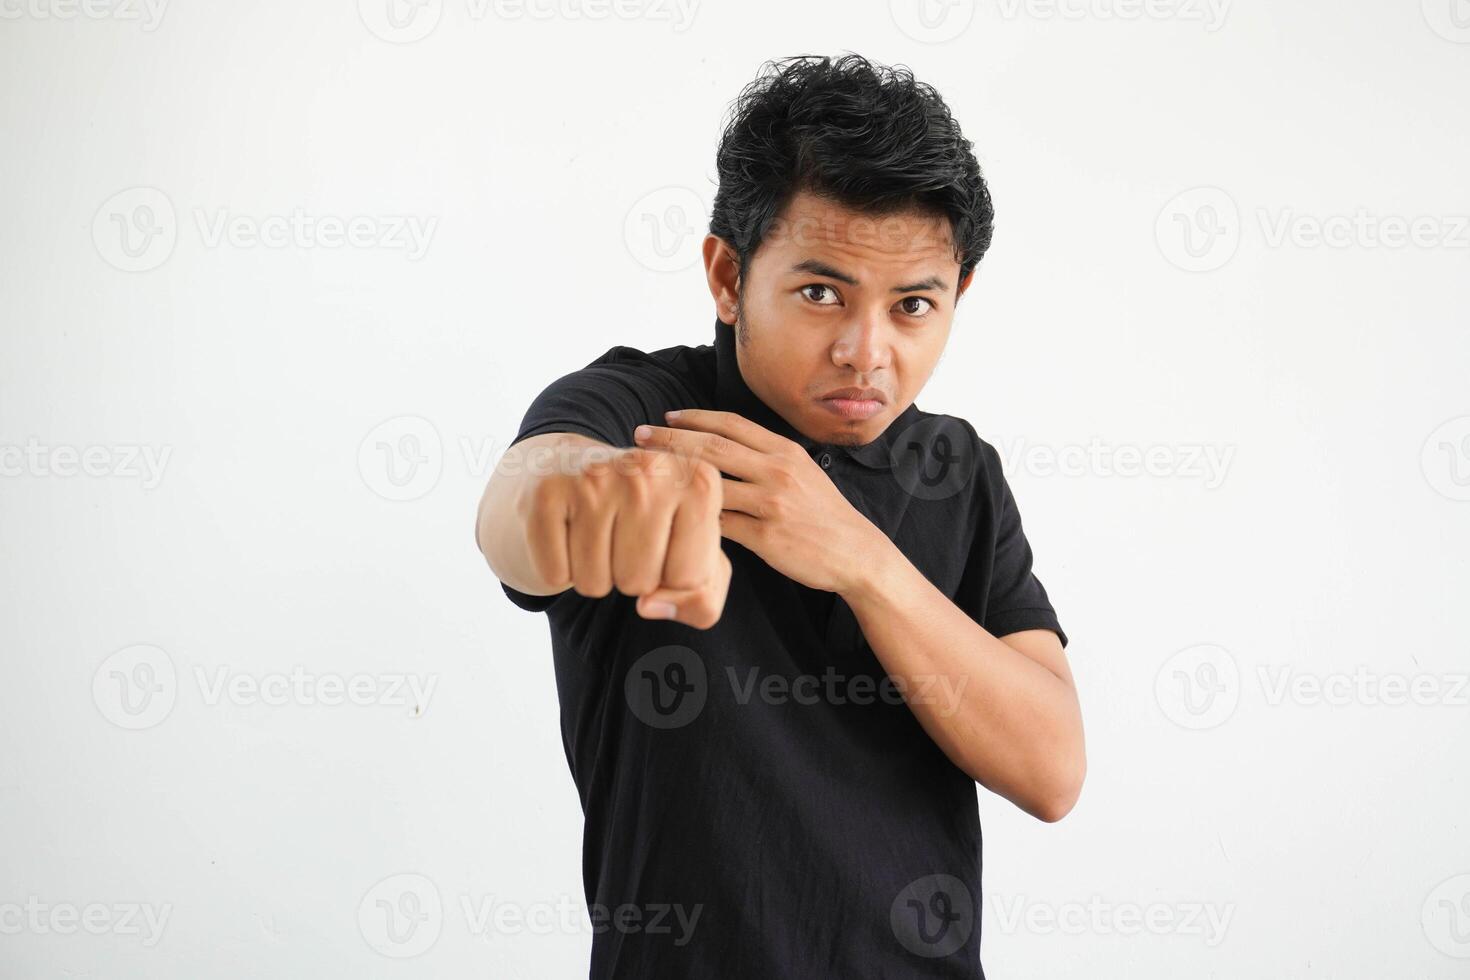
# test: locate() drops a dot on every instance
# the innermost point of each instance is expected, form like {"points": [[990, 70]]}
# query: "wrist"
{"points": [[874, 566]]}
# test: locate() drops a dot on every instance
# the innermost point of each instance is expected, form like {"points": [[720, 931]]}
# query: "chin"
{"points": [[858, 433]]}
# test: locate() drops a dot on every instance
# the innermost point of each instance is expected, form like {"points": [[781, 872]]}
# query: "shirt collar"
{"points": [[732, 394]]}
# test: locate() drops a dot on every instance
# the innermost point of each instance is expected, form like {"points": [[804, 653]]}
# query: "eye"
{"points": [[822, 288], [923, 310]]}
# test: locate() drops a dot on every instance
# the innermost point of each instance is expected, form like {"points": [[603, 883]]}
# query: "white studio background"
{"points": [[1220, 340]]}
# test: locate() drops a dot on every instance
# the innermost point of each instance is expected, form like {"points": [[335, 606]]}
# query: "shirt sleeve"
{"points": [[530, 602], [999, 589], [606, 401]]}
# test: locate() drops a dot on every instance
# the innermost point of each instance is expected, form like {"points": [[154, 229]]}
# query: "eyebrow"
{"points": [[818, 268]]}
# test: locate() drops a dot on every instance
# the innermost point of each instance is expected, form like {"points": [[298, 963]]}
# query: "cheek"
{"points": [[797, 373], [914, 363]]}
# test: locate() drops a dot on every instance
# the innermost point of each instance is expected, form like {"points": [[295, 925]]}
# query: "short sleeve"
{"points": [[999, 589], [606, 401], [529, 602]]}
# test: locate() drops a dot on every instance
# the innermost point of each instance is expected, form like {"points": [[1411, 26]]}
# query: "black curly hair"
{"points": [[867, 136]]}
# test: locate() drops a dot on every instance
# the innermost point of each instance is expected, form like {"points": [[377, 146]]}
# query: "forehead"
{"points": [[811, 227]]}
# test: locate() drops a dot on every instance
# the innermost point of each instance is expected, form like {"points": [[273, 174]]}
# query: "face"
{"points": [[844, 315]]}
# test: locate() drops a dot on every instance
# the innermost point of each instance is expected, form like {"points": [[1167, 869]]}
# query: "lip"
{"points": [[858, 394], [854, 403]]}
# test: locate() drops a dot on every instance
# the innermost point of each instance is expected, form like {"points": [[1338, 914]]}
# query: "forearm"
{"points": [[1006, 720]]}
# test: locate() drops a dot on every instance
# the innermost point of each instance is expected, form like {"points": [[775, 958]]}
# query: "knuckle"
{"points": [[544, 494], [637, 581], [705, 480], [595, 480], [637, 491], [592, 590], [706, 613], [783, 478]]}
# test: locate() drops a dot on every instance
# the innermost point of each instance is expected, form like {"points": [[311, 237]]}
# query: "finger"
{"points": [[737, 428], [700, 608], [744, 497], [743, 529], [640, 538], [546, 539], [694, 535], [589, 546], [724, 454]]}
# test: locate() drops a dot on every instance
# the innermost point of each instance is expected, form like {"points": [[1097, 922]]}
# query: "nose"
{"points": [[862, 346]]}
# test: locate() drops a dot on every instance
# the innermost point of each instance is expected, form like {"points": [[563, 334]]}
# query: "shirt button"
{"points": [[825, 459]]}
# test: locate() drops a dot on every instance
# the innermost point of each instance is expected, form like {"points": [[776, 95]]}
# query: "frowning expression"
{"points": [[842, 315]]}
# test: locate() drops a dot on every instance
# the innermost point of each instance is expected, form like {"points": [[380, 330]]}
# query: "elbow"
{"points": [[1060, 794]]}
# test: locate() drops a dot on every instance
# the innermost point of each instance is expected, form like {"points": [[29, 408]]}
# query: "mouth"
{"points": [[854, 403]]}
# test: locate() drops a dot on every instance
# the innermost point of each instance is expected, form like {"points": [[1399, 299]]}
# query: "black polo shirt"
{"points": [[759, 802]]}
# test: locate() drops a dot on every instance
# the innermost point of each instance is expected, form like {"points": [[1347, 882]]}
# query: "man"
{"points": [[793, 616]]}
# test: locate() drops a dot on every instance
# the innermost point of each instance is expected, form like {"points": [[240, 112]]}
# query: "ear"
{"points": [[964, 284], [722, 270]]}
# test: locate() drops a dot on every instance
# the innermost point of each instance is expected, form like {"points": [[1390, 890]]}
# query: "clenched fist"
{"points": [[644, 522]]}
